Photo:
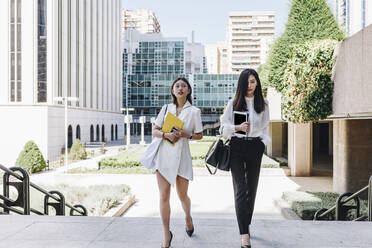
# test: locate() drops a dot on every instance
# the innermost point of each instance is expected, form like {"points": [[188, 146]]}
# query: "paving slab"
{"points": [[82, 232]]}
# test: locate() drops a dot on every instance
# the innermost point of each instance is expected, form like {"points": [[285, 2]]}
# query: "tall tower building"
{"points": [[353, 15], [143, 20], [249, 34], [216, 58], [59, 48]]}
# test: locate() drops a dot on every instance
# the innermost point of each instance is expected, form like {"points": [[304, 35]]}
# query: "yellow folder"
{"points": [[171, 121]]}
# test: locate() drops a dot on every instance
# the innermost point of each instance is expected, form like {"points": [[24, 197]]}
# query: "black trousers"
{"points": [[245, 164]]}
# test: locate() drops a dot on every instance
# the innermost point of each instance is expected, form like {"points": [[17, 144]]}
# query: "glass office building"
{"points": [[159, 57]]}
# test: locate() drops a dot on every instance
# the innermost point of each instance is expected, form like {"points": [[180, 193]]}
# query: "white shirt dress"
{"points": [[175, 160]]}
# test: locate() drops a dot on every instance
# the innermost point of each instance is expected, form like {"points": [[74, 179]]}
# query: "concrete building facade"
{"points": [[211, 54], [353, 15], [249, 34], [62, 48], [142, 20], [216, 58]]}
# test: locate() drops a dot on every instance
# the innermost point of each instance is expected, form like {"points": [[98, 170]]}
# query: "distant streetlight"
{"points": [[128, 121], [66, 100]]}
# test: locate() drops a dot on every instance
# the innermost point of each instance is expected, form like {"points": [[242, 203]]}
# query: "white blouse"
{"points": [[175, 160], [259, 123]]}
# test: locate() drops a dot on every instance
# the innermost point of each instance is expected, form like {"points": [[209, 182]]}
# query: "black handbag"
{"points": [[218, 156]]}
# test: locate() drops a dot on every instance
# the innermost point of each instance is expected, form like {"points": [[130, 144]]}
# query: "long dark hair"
{"points": [[241, 91], [188, 98]]}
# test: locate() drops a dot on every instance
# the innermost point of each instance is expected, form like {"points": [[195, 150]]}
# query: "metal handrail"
{"points": [[82, 211], [321, 213], [346, 200]]}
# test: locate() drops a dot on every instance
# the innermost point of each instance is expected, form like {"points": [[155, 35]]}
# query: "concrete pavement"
{"points": [[211, 196], [100, 232]]}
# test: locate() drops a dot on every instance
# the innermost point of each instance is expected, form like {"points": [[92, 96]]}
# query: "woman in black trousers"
{"points": [[248, 141]]}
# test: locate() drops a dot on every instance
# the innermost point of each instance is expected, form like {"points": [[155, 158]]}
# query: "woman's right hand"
{"points": [[244, 127], [172, 137]]}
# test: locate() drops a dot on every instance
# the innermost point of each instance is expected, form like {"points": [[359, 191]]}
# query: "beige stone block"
{"points": [[300, 149], [275, 148], [352, 154]]}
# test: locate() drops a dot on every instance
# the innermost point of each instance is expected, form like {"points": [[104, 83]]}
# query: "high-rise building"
{"points": [[216, 58], [222, 56], [249, 34], [59, 48], [142, 20], [353, 15], [211, 54]]}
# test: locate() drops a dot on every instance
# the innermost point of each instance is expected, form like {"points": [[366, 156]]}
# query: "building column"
{"points": [[300, 149], [352, 156], [275, 148], [4, 52]]}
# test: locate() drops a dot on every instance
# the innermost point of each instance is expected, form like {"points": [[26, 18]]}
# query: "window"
{"points": [[91, 133], [78, 136], [363, 13], [15, 51], [42, 52]]}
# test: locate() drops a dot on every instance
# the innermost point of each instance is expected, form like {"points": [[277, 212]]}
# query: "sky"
{"points": [[208, 18]]}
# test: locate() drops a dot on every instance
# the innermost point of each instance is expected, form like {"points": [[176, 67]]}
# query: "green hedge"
{"points": [[31, 159], [308, 20], [305, 204], [307, 95], [113, 162]]}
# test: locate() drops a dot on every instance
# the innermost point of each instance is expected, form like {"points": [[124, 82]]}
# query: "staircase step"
{"points": [[94, 232]]}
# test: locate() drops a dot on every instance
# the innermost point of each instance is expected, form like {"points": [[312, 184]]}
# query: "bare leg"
{"points": [[164, 190], [182, 185]]}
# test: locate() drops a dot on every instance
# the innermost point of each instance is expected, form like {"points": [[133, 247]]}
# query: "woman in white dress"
{"points": [[173, 164], [246, 149]]}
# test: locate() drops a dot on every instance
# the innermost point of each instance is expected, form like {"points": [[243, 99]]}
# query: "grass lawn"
{"points": [[112, 170], [199, 149]]}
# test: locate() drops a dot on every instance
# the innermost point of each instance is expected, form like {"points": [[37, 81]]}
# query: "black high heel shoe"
{"points": [[170, 241], [190, 232]]}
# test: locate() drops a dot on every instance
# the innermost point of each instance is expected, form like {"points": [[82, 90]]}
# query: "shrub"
{"points": [[308, 20], [308, 91], [78, 151], [31, 159], [97, 199], [305, 204]]}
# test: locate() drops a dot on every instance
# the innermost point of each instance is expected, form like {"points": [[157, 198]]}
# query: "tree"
{"points": [[31, 159], [308, 20], [263, 73], [309, 89]]}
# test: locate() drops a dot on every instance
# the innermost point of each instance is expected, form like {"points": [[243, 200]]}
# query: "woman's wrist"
{"points": [[163, 135]]}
